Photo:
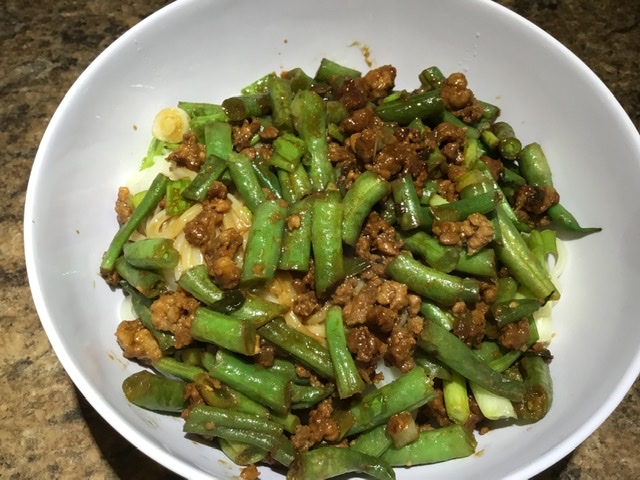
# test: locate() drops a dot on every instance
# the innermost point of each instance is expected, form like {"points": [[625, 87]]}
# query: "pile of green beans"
{"points": [[251, 410]]}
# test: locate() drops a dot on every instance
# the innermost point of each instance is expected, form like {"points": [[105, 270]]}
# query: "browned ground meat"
{"points": [[124, 207], [321, 426], [137, 342], [201, 229], [360, 119], [434, 413], [379, 82], [475, 232], [514, 335], [266, 354], [352, 93], [243, 134], [447, 190], [250, 472], [219, 256], [401, 345], [495, 166], [460, 99], [190, 154], [536, 200], [470, 323], [377, 238], [451, 140], [173, 312]]}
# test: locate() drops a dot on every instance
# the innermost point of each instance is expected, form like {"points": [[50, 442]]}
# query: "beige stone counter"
{"points": [[47, 429]]}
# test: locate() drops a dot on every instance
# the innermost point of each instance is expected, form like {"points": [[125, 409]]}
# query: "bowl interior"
{"points": [[102, 128]]}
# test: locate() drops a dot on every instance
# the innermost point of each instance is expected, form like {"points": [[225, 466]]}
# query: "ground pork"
{"points": [[321, 427], [470, 323], [173, 312], [459, 99], [219, 254], [474, 232], [124, 207], [137, 342], [189, 154]]}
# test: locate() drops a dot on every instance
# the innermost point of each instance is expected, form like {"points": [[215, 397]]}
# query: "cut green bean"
{"points": [[151, 253], [432, 284], [258, 383], [309, 118], [436, 255], [456, 355], [456, 398], [169, 366], [300, 346], [367, 190], [152, 198], [427, 106], [262, 252], [326, 241], [142, 308], [211, 170], [258, 310], [374, 441], [330, 461], [154, 392], [225, 331], [151, 284], [280, 95], [198, 283], [409, 212], [296, 241], [328, 71], [246, 106], [408, 392], [433, 446], [538, 389], [348, 380], [245, 180]]}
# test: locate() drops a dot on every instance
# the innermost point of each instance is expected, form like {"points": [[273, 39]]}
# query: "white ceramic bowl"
{"points": [[102, 128]]}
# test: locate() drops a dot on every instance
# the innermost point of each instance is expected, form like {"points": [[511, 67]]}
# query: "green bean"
{"points": [[330, 461], [258, 310], [242, 453], [407, 392], [280, 95], [336, 112], [175, 203], [287, 152], [432, 367], [307, 396], [218, 139], [459, 210], [432, 284], [374, 441], [225, 331], [535, 169], [514, 310], [326, 241], [433, 446], [211, 170], [245, 180], [538, 389], [246, 106], [510, 148], [480, 264], [201, 109], [296, 242], [427, 106], [409, 212], [436, 255], [367, 190], [260, 85], [328, 71], [309, 118], [151, 253], [154, 392], [149, 283], [298, 80], [432, 78], [150, 201], [348, 379], [197, 281], [204, 414], [300, 346], [514, 253], [456, 355], [262, 252], [171, 367], [267, 178], [258, 383]]}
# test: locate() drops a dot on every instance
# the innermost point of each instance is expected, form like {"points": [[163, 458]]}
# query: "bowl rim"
{"points": [[572, 441]]}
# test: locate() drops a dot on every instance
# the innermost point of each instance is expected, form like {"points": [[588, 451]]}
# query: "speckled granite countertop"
{"points": [[47, 429]]}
